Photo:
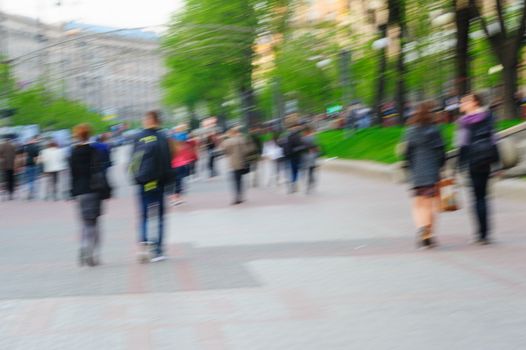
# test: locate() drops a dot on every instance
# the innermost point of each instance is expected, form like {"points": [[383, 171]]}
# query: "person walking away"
{"points": [[255, 145], [31, 152], [8, 155], [235, 148], [53, 160], [182, 157], [294, 150], [151, 168], [311, 157], [89, 190], [478, 155], [273, 151], [426, 157], [104, 148], [211, 148], [193, 143]]}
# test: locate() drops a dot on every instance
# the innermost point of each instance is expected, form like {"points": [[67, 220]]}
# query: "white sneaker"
{"points": [[158, 258]]}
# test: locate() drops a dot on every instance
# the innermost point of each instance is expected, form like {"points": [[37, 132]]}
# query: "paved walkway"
{"points": [[336, 270]]}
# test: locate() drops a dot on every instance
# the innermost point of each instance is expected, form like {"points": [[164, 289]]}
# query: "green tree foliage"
{"points": [[297, 65], [37, 106]]}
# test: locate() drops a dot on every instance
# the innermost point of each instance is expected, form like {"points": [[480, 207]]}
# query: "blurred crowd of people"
{"points": [[164, 162]]}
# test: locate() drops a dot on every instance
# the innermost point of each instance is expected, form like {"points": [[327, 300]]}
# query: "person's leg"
{"points": [[143, 204], [91, 228], [33, 181], [236, 177], [160, 212], [55, 185], [96, 241], [311, 178], [479, 180], [10, 181], [48, 178], [255, 174]]}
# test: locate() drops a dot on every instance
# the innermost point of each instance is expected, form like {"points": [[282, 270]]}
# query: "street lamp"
{"points": [[441, 22]]}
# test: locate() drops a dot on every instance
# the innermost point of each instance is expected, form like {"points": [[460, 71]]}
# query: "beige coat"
{"points": [[235, 149], [7, 156]]}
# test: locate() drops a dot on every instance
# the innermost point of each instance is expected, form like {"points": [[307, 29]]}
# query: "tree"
{"points": [[38, 106], [465, 11], [506, 37], [210, 49], [397, 16], [313, 85]]}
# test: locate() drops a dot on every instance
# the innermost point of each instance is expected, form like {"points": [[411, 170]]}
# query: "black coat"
{"points": [[85, 162]]}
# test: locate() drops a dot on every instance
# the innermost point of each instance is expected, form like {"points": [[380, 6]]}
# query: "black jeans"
{"points": [[237, 176], [52, 185], [479, 182], [212, 164], [9, 178]]}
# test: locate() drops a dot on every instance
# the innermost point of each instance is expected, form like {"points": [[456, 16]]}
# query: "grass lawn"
{"points": [[378, 144]]}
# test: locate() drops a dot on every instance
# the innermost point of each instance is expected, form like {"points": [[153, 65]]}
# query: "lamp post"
{"points": [[379, 9]]}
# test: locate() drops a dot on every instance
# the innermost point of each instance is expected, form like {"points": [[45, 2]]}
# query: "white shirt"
{"points": [[272, 151], [53, 159]]}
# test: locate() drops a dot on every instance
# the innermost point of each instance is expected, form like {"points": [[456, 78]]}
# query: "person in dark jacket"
{"points": [[84, 163], [152, 163], [294, 151], [476, 128], [8, 165], [426, 157], [31, 152]]}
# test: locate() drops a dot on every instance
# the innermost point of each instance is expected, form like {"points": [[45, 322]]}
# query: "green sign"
{"points": [[334, 109]]}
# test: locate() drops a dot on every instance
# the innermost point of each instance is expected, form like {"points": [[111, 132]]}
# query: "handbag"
{"points": [[98, 180], [448, 195]]}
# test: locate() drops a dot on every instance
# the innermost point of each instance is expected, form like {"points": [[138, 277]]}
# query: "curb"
{"points": [[508, 188]]}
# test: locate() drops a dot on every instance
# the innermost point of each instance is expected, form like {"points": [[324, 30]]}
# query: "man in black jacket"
{"points": [[151, 168]]}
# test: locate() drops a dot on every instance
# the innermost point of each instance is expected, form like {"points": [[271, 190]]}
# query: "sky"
{"points": [[112, 13]]}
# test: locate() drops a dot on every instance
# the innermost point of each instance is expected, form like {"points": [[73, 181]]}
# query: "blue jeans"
{"points": [[31, 174], [152, 200], [295, 165]]}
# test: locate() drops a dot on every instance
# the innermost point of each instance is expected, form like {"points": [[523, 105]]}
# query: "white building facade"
{"points": [[115, 72]]}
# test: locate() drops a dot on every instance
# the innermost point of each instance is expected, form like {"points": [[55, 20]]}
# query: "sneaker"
{"points": [[143, 256], [483, 241], [158, 258]]}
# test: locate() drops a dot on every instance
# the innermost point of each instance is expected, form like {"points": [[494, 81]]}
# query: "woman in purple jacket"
{"points": [[478, 154]]}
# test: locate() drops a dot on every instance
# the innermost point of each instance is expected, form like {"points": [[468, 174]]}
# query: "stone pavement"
{"points": [[335, 270]]}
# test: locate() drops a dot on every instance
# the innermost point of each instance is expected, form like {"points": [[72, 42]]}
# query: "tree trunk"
{"points": [[380, 87], [401, 70], [463, 61], [248, 104], [510, 88]]}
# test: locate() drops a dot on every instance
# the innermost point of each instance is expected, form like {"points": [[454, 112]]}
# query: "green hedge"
{"points": [[378, 144]]}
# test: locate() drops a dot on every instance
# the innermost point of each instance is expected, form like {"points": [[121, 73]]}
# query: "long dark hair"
{"points": [[423, 115]]}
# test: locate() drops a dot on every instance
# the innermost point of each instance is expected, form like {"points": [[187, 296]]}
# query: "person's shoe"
{"points": [[144, 254], [483, 241], [425, 238], [82, 257], [158, 258]]}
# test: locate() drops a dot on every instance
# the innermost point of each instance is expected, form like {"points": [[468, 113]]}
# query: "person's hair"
{"points": [[423, 115], [104, 137], [308, 129], [154, 116], [82, 132], [52, 144], [477, 98]]}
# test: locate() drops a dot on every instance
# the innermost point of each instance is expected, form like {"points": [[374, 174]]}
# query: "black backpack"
{"points": [[147, 158], [482, 150], [294, 145]]}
